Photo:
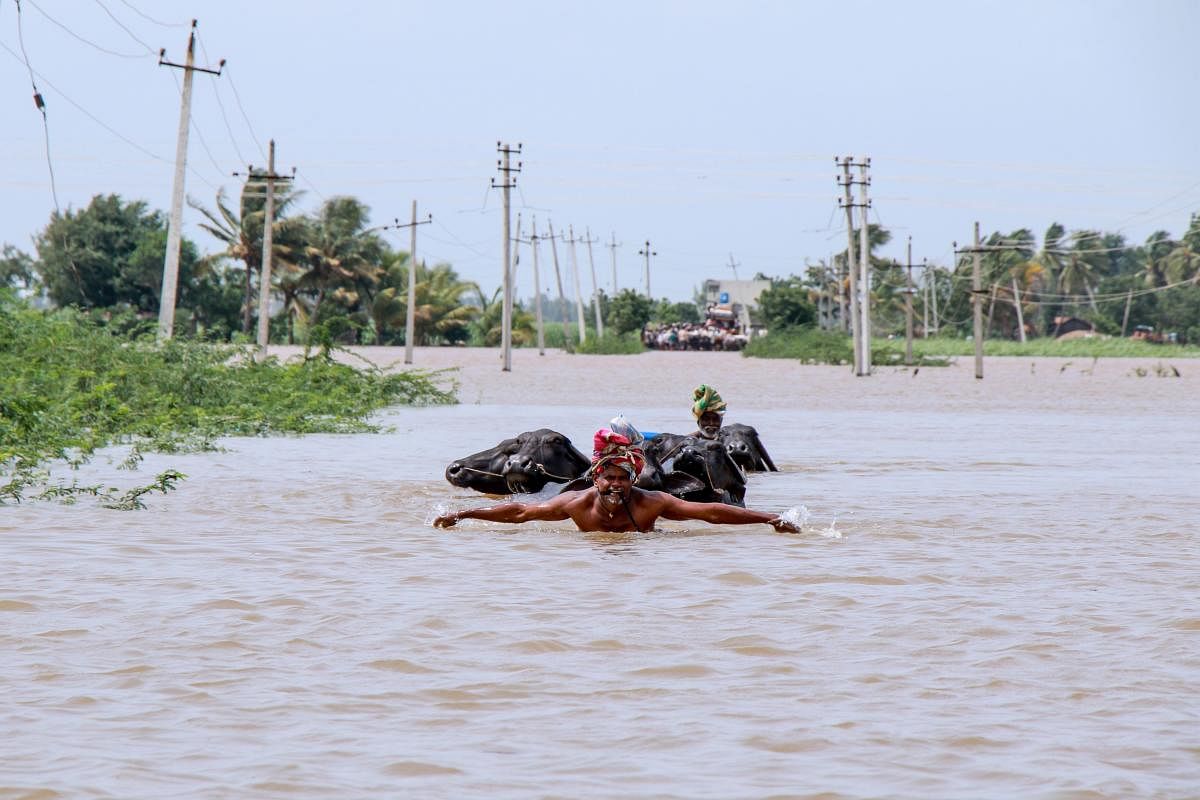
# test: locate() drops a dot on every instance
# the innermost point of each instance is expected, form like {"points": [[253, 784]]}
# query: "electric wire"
{"points": [[92, 117], [221, 105], [149, 18], [125, 28], [237, 96], [88, 42], [40, 102], [199, 134], [312, 186]]}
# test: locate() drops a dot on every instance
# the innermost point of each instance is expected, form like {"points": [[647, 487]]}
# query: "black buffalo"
{"points": [[709, 462], [746, 449], [525, 463]]}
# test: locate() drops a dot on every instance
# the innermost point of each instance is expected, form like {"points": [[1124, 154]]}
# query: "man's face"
{"points": [[709, 423], [614, 485]]}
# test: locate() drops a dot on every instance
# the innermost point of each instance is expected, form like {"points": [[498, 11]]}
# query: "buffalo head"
{"points": [[709, 462], [525, 463], [745, 448]]}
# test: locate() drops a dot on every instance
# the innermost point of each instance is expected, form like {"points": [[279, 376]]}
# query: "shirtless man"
{"points": [[613, 503]]}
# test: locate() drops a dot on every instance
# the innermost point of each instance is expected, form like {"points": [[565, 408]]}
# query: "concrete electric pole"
{"points": [[507, 181], [170, 281]]}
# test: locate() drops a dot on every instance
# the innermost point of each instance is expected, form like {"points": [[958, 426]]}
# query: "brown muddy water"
{"points": [[996, 594]]}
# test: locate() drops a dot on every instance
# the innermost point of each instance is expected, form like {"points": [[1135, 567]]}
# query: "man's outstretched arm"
{"points": [[723, 514], [554, 509]]}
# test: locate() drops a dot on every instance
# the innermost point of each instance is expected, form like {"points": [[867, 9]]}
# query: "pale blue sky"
{"points": [[707, 128]]}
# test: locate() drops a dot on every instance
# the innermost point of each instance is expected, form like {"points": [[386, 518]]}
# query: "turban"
{"points": [[706, 398], [609, 448]]}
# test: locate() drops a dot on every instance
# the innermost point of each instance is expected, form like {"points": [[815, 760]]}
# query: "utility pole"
{"points": [[562, 297], [846, 319], [1124, 319], [264, 282], [170, 281], [864, 258], [507, 181], [647, 253], [908, 308], [733, 265], [1020, 313], [506, 341], [571, 240], [925, 301], [937, 325], [410, 312], [856, 329], [977, 295], [613, 245], [537, 290], [588, 240], [976, 300]]}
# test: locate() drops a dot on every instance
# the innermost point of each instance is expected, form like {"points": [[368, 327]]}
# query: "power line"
{"points": [[311, 185], [123, 27], [217, 94], [149, 18], [200, 136], [40, 103], [88, 42], [237, 96]]}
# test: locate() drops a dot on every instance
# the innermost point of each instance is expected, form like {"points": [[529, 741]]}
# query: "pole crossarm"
{"points": [[163, 62]]}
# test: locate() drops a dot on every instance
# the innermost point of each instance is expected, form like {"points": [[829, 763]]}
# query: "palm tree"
{"points": [[1152, 257], [441, 314], [1183, 262], [242, 233], [1050, 263], [1011, 264], [1081, 265], [488, 325], [341, 256]]}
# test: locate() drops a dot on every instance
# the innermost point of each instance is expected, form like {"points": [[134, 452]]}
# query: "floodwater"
{"points": [[996, 594]]}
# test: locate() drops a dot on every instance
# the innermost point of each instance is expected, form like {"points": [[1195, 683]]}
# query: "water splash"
{"points": [[831, 532], [436, 511], [796, 515], [800, 515]]}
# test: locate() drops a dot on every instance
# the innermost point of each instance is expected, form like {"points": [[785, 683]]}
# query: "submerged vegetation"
{"points": [[74, 383], [611, 344], [813, 346], [827, 347]]}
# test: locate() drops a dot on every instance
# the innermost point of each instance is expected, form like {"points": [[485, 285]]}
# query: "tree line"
{"points": [[331, 271], [334, 272], [1098, 277]]}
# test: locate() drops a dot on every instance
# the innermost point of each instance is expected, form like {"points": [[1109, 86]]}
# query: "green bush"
{"points": [[611, 344], [72, 386], [811, 346]]}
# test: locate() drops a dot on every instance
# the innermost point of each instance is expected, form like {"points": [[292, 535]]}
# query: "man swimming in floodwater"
{"points": [[709, 410], [613, 503]]}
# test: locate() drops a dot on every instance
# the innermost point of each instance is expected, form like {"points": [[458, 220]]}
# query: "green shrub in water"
{"points": [[812, 346], [71, 385], [611, 344]]}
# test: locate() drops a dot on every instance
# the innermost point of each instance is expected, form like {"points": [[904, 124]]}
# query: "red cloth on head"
{"points": [[609, 447]]}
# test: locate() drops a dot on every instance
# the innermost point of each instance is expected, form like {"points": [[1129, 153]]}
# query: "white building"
{"points": [[742, 296]]}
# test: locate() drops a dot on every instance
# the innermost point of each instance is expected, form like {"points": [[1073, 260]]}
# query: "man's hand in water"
{"points": [[783, 526], [446, 520]]}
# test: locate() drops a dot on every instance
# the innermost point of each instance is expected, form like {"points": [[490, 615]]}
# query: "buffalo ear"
{"points": [[680, 483]]}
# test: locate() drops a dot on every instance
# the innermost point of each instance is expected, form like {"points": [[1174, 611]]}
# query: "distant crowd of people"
{"points": [[692, 336]]}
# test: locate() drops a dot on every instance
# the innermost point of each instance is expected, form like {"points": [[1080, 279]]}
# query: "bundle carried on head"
{"points": [[612, 448], [706, 398]]}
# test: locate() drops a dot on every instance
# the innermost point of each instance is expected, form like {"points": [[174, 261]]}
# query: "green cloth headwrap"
{"points": [[706, 398]]}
